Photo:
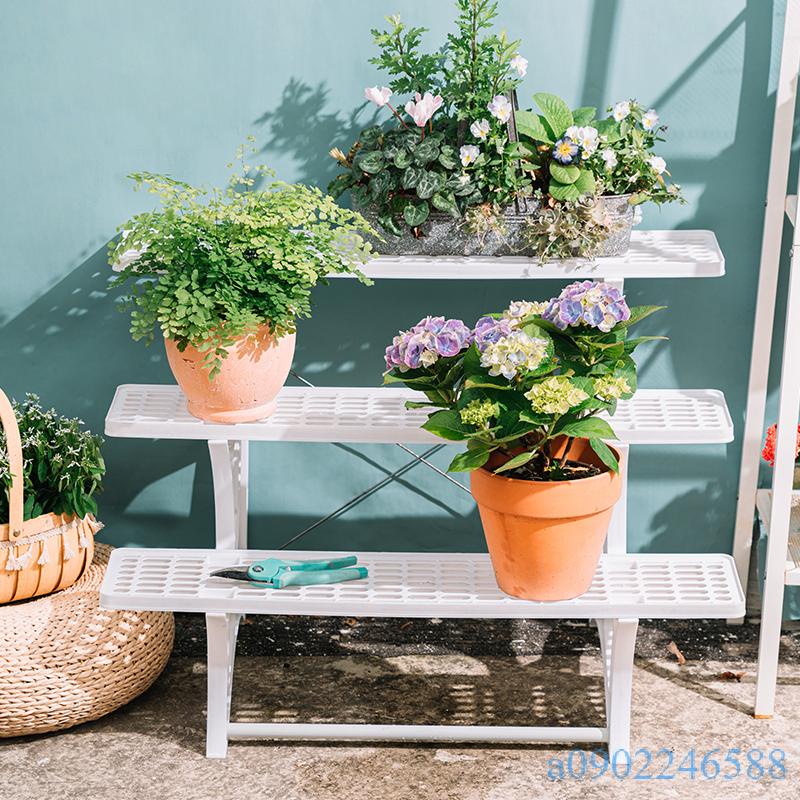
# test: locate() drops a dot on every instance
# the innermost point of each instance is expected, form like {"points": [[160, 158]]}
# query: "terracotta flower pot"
{"points": [[545, 538], [247, 384]]}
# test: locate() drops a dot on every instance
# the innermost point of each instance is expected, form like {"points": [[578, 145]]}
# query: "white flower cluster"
{"points": [[513, 354], [586, 136], [521, 309], [556, 395], [609, 388]]}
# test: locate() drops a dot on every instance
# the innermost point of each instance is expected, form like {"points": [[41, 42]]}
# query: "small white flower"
{"points": [[657, 163], [572, 132], [500, 108], [520, 64], [378, 96], [468, 154], [621, 110], [610, 158], [588, 139], [480, 129], [650, 120], [463, 180]]}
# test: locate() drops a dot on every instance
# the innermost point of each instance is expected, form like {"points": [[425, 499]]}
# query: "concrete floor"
{"points": [[154, 747]]}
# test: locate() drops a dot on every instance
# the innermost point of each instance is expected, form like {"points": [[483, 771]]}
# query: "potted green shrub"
{"points": [[589, 174], [524, 390], [51, 468], [225, 273], [442, 175]]}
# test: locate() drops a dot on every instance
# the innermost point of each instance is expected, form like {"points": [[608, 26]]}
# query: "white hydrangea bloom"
{"points": [[514, 354], [556, 395]]}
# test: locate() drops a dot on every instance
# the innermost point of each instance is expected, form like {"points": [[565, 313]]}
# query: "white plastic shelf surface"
{"points": [[422, 585], [653, 254], [336, 414]]}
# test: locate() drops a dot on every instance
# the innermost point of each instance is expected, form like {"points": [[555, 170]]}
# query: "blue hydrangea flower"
{"points": [[423, 345], [591, 303], [489, 330]]}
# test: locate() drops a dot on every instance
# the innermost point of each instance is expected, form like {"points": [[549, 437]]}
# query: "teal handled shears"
{"points": [[276, 573]]}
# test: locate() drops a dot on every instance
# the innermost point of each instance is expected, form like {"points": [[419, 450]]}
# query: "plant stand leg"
{"points": [[221, 630], [229, 469], [618, 647]]}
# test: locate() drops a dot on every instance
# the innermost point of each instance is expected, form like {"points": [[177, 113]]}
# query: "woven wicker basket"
{"points": [[40, 555], [64, 660]]}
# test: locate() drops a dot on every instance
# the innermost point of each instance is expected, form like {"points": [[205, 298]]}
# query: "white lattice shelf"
{"points": [[422, 585], [337, 414], [764, 506], [653, 254]]}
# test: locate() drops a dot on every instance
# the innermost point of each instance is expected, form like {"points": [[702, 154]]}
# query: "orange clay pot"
{"points": [[247, 384], [545, 538]]}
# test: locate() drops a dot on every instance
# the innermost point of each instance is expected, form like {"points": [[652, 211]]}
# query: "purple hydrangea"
{"points": [[430, 339], [592, 303], [489, 330]]}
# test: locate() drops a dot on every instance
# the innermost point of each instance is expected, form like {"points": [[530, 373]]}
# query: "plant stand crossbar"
{"points": [[460, 585]]}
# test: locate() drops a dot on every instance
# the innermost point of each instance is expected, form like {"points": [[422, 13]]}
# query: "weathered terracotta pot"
{"points": [[545, 538], [247, 384]]}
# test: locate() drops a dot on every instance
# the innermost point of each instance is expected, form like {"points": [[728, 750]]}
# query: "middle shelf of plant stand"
{"points": [[653, 254], [378, 415]]}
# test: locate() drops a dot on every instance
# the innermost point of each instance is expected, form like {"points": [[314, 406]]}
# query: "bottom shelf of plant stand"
{"points": [[625, 589]]}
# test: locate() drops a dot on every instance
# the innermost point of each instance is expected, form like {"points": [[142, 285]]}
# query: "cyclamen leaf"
{"points": [[446, 203], [428, 184], [411, 177], [370, 162], [415, 214], [426, 151]]}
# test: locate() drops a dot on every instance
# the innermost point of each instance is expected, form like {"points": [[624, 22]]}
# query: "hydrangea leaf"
{"points": [[604, 453], [517, 461], [448, 425], [470, 460]]}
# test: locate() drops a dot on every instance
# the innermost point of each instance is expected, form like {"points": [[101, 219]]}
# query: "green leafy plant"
{"points": [[517, 381], [557, 136], [625, 161], [212, 265], [62, 464], [450, 150]]}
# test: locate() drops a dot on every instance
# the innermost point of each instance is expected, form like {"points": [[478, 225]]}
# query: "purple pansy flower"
{"points": [[592, 303]]}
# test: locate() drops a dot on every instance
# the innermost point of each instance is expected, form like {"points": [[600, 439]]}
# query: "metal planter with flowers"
{"points": [[524, 389]]}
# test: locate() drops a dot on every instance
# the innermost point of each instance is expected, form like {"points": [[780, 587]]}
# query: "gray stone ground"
{"points": [[453, 672]]}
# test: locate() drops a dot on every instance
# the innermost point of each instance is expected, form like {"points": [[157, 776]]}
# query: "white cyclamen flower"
{"points": [[378, 96], [468, 154], [610, 158], [657, 163], [650, 120], [621, 110], [500, 108], [480, 129], [520, 64]]}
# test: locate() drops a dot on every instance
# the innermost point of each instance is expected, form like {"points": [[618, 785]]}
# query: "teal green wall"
{"points": [[93, 89]]}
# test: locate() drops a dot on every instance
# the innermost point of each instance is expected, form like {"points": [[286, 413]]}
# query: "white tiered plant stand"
{"points": [[625, 589]]}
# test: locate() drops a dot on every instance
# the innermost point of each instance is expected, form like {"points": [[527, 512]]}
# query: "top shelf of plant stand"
{"points": [[653, 254]]}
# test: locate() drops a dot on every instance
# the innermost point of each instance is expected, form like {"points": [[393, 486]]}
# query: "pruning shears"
{"points": [[276, 573]]}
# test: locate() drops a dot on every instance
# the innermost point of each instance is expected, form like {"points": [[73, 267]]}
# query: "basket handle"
{"points": [[14, 445]]}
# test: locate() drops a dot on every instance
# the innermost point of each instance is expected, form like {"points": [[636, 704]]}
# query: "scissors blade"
{"points": [[233, 574]]}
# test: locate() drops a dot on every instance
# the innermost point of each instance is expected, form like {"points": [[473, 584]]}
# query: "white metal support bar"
{"points": [[221, 630], [229, 471], [780, 514], [785, 97], [620, 676]]}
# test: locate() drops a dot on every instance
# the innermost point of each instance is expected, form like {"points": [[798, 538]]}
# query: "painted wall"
{"points": [[94, 89]]}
